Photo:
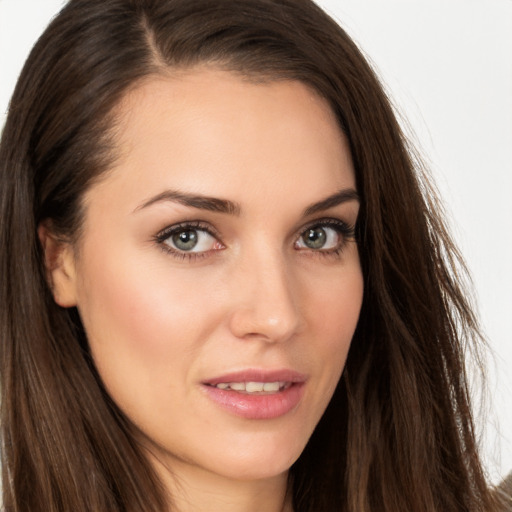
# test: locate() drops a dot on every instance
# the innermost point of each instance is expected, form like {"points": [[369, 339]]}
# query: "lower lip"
{"points": [[257, 407]]}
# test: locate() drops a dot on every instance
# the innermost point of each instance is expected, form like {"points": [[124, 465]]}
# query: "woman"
{"points": [[224, 284]]}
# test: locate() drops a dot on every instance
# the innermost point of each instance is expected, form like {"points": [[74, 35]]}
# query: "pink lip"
{"points": [[255, 406]]}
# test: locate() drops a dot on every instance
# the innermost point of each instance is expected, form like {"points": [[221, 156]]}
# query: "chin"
{"points": [[261, 460]]}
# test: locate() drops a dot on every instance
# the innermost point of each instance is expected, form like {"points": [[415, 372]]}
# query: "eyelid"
{"points": [[342, 226], [345, 229], [164, 234]]}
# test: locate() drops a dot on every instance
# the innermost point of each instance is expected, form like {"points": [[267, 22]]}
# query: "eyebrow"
{"points": [[212, 204], [343, 196], [215, 204]]}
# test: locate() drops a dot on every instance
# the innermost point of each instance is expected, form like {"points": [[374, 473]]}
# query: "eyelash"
{"points": [[346, 232], [166, 233]]}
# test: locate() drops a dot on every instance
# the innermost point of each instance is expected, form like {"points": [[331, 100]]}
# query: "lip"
{"points": [[257, 407]]}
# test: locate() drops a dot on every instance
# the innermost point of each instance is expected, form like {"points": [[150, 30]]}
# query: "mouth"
{"points": [[257, 394]]}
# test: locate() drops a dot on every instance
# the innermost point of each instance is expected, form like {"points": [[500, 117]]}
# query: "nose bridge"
{"points": [[265, 304]]}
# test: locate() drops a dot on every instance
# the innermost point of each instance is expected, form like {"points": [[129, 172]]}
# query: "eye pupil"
{"points": [[185, 240], [315, 238]]}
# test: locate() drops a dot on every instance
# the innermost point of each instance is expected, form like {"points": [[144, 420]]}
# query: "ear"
{"points": [[60, 266]]}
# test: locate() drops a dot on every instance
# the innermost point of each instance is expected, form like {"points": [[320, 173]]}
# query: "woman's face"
{"points": [[217, 276]]}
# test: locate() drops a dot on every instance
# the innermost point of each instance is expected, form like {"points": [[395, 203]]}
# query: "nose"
{"points": [[265, 299]]}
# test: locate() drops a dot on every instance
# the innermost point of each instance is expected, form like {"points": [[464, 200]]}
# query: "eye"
{"points": [[188, 239], [319, 237], [326, 237], [191, 240]]}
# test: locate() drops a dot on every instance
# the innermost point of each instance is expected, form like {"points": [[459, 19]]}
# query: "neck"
{"points": [[194, 489]]}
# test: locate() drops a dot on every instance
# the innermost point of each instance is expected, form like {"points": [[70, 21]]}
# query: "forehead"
{"points": [[213, 132]]}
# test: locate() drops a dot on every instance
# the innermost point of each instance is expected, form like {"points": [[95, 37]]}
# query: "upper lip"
{"points": [[258, 375]]}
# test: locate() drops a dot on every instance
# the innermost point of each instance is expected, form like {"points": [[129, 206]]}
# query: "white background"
{"points": [[448, 66]]}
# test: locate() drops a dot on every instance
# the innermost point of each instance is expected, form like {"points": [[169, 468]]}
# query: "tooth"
{"points": [[254, 387]]}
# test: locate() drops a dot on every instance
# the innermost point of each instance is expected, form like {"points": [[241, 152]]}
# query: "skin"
{"points": [[160, 323]]}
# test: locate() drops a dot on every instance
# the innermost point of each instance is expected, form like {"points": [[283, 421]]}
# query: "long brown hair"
{"points": [[398, 433]]}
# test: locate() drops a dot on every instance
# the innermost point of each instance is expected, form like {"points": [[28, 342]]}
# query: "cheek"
{"points": [[334, 306], [140, 321]]}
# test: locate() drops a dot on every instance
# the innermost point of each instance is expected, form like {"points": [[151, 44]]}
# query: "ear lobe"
{"points": [[60, 266]]}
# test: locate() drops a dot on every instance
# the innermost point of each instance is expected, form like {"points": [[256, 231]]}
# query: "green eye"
{"points": [[188, 239], [315, 238], [323, 237], [185, 240]]}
